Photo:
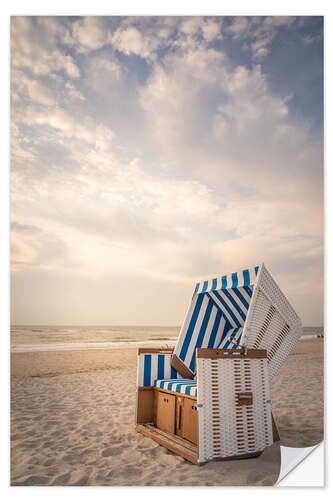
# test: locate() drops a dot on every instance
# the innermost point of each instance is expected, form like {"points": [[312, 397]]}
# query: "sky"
{"points": [[150, 152]]}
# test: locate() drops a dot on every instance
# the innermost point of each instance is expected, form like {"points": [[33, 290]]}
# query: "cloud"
{"points": [[239, 28], [198, 101], [259, 48], [258, 32], [73, 93], [279, 20], [250, 148], [130, 41], [178, 95], [32, 89], [69, 126], [33, 247], [198, 29], [88, 34], [143, 36], [211, 31], [191, 25], [41, 94], [198, 96], [309, 39], [34, 46], [181, 162]]}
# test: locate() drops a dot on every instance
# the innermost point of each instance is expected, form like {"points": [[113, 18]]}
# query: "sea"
{"points": [[45, 338]]}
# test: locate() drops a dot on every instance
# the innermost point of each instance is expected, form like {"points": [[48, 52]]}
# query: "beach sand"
{"points": [[72, 422]]}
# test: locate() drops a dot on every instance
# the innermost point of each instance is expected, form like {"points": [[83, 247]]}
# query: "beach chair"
{"points": [[245, 308], [209, 398]]}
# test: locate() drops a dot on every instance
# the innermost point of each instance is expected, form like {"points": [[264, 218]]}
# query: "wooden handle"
{"points": [[230, 353]]}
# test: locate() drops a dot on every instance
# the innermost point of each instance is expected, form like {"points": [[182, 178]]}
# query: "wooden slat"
{"points": [[165, 412], [177, 439], [159, 389], [178, 365], [154, 350], [145, 405], [179, 415], [190, 421], [226, 353], [173, 443]]}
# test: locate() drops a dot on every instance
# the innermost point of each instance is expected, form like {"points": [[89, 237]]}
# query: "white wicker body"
{"points": [[271, 322], [226, 428]]}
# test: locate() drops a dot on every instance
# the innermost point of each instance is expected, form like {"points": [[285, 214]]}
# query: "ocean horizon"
{"points": [[47, 337]]}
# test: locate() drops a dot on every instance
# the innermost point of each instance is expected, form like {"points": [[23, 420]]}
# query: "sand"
{"points": [[72, 422]]}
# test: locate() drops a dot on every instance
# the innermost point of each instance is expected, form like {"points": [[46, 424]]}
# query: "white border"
{"points": [[144, 7]]}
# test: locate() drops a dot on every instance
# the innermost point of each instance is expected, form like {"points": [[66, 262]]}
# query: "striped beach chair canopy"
{"points": [[241, 308]]}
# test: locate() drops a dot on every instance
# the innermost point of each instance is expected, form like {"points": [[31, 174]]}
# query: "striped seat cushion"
{"points": [[181, 386]]}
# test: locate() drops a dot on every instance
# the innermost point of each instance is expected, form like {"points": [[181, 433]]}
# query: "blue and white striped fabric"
{"points": [[205, 326], [234, 280], [154, 366], [232, 339], [181, 386], [218, 309], [234, 304]]}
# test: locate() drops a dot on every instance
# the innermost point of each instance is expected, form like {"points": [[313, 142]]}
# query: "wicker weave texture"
{"points": [[271, 323], [226, 428]]}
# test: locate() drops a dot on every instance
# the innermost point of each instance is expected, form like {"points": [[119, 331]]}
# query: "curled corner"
{"points": [[291, 458]]}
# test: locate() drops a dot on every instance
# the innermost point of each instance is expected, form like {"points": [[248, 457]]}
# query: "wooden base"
{"points": [[182, 447], [172, 442], [170, 419]]}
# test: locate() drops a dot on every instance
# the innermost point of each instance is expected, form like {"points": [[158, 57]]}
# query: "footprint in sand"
{"points": [[254, 478], [47, 444], [48, 462], [33, 481], [62, 479], [30, 444], [51, 422], [110, 452], [82, 481]]}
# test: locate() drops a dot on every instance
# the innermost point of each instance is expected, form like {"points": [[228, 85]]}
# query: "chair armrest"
{"points": [[155, 350], [154, 364], [227, 353]]}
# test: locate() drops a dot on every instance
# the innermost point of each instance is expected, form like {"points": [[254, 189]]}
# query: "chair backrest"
{"points": [[271, 322], [243, 308], [217, 312]]}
